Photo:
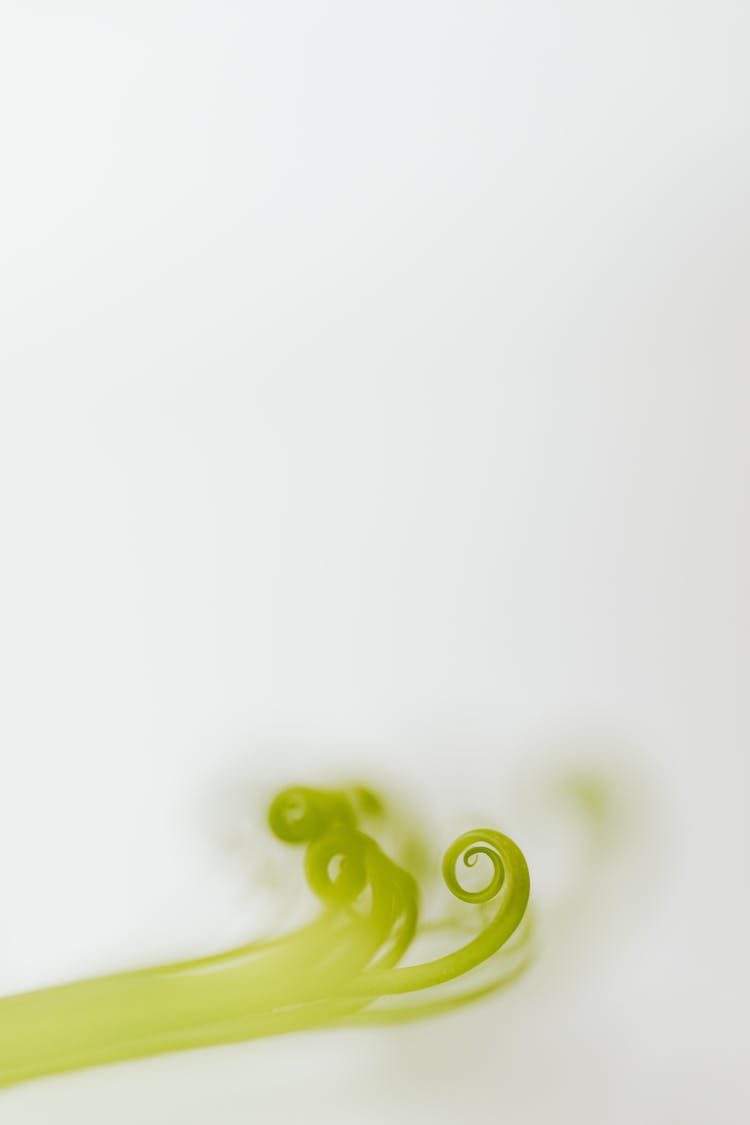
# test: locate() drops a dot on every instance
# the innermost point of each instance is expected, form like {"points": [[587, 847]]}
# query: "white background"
{"points": [[375, 402]]}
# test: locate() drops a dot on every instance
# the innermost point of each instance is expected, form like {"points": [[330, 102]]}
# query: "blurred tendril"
{"points": [[345, 966]]}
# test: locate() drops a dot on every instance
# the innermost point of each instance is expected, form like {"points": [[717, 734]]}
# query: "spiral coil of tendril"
{"points": [[326, 822], [468, 848]]}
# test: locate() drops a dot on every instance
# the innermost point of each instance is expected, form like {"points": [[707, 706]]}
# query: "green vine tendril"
{"points": [[343, 967]]}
